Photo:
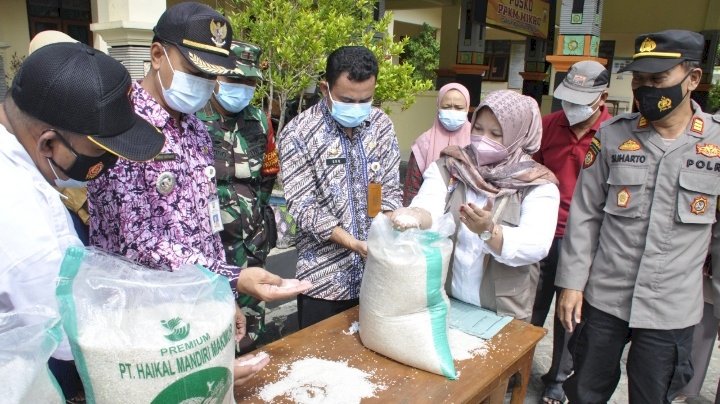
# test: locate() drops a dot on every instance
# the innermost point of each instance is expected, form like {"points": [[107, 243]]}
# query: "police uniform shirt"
{"points": [[641, 221]]}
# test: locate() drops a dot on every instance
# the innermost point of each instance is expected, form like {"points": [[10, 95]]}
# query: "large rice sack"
{"points": [[147, 336], [27, 339], [403, 305]]}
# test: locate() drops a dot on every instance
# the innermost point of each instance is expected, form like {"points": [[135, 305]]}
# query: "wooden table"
{"points": [[483, 379]]}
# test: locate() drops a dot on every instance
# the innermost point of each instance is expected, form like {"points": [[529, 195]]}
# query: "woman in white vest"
{"points": [[505, 205]]}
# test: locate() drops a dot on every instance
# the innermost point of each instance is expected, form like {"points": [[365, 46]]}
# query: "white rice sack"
{"points": [[146, 336], [27, 339], [403, 306]]}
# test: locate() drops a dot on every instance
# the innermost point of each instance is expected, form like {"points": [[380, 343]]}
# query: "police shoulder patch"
{"points": [[592, 153], [697, 125]]}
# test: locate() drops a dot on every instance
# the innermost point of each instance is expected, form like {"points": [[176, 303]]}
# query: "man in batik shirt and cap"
{"points": [[165, 213], [240, 134]]}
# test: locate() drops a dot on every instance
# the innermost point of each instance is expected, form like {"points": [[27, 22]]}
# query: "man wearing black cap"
{"points": [[165, 213], [641, 220], [64, 122]]}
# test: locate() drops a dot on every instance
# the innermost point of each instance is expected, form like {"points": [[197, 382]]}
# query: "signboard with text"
{"points": [[526, 17]]}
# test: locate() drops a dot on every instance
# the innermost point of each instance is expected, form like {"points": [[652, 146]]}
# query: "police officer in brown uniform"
{"points": [[641, 220]]}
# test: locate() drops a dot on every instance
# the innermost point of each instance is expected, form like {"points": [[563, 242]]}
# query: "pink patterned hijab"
{"points": [[521, 123], [428, 146]]}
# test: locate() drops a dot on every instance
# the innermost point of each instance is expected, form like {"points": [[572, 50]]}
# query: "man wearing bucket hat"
{"points": [[567, 132], [640, 223], [66, 120], [241, 134], [165, 213]]}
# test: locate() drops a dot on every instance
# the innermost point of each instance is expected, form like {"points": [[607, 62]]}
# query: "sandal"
{"points": [[553, 394]]}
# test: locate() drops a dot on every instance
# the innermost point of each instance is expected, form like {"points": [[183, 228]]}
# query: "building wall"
{"points": [[14, 31], [411, 123]]}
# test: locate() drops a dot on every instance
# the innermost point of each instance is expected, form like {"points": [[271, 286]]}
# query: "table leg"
{"points": [[497, 396], [519, 391]]}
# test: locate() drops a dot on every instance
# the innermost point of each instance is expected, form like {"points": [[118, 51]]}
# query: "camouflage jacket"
{"points": [[239, 143]]}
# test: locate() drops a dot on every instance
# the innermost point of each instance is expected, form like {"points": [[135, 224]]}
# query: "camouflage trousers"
{"points": [[254, 311]]}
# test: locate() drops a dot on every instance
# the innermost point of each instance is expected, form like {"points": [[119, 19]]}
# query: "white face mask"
{"points": [[234, 97], [187, 93], [577, 113], [452, 119], [68, 183]]}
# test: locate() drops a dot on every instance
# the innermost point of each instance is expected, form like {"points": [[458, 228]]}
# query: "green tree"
{"points": [[297, 35], [423, 52], [713, 101]]}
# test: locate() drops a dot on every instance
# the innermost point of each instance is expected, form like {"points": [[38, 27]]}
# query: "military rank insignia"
{"points": [[623, 198], [698, 205], [697, 125], [592, 153], [629, 145], [708, 150]]}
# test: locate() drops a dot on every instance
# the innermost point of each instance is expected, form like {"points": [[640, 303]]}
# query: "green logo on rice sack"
{"points": [[180, 329], [208, 386]]}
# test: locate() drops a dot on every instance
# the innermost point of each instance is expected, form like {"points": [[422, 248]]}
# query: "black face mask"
{"points": [[657, 103], [85, 168]]}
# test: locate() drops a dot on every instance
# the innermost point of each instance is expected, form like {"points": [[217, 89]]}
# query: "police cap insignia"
{"points": [[629, 145], [648, 45]]}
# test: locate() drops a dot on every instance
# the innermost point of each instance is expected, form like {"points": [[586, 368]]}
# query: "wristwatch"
{"points": [[486, 235]]}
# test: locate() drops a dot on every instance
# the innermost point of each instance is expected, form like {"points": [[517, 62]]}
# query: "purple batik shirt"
{"points": [[135, 210]]}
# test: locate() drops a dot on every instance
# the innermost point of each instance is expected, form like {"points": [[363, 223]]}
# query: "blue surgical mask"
{"points": [[68, 183], [349, 115], [187, 93], [234, 97], [452, 119]]}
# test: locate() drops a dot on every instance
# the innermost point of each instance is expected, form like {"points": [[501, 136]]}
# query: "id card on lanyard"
{"points": [[216, 224]]}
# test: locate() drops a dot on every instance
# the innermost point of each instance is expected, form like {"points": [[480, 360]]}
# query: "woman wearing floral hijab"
{"points": [[450, 127], [505, 205]]}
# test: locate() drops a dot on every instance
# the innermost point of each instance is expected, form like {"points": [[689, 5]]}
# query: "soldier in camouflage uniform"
{"points": [[240, 138]]}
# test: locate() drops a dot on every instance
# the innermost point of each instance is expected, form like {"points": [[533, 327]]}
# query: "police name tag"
{"points": [[215, 219], [335, 161]]}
